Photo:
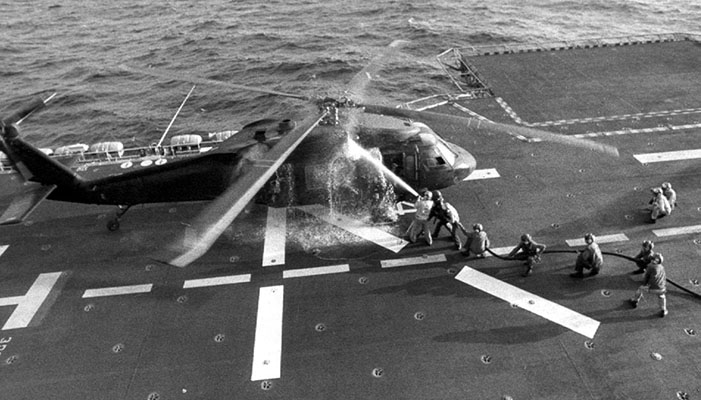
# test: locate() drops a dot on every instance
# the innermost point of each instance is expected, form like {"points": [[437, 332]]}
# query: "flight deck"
{"points": [[306, 302]]}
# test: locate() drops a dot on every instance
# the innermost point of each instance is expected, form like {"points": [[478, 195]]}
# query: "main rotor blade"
{"points": [[206, 81], [19, 115], [219, 214], [358, 85], [491, 126]]}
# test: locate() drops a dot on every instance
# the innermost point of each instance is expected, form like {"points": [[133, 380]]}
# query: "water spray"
{"points": [[356, 151]]}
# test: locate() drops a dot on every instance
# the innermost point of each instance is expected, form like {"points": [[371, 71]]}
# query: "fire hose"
{"points": [[691, 292]]}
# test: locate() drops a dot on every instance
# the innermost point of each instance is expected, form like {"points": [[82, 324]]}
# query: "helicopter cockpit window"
{"points": [[447, 154], [432, 158]]}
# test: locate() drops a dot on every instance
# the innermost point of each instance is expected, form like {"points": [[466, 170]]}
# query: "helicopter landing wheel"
{"points": [[113, 225]]}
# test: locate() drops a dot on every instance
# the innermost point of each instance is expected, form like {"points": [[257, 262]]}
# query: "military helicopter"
{"points": [[232, 171]]}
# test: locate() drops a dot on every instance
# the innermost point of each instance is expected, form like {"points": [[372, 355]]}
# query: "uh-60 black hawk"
{"points": [[282, 161]]}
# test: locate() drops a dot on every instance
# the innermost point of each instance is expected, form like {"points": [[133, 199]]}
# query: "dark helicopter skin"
{"points": [[174, 174]]}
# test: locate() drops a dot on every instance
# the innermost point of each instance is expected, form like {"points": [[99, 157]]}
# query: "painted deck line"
{"points": [[267, 349], [274, 244], [483, 174], [528, 301], [332, 269], [402, 262], [677, 231], [3, 248], [668, 156], [217, 281], [502, 251], [117, 291], [618, 237], [377, 236], [29, 304]]}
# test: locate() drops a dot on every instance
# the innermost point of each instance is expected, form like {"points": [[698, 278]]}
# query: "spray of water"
{"points": [[356, 151]]}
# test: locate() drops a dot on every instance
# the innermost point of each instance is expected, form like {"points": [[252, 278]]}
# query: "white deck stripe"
{"points": [[332, 269], [217, 281], [668, 156], [3, 248], [618, 237], [28, 305], [117, 291], [502, 251], [274, 245], [377, 236], [677, 231], [530, 302], [483, 174], [401, 262], [267, 349]]}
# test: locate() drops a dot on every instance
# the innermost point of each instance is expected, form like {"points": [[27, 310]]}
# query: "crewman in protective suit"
{"points": [[589, 258], [477, 242], [421, 224], [446, 215], [670, 194], [644, 257], [529, 251], [659, 204]]}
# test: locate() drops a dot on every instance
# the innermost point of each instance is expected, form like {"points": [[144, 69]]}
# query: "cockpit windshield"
{"points": [[447, 154]]}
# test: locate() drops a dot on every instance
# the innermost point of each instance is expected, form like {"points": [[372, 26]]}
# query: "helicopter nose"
{"points": [[465, 164]]}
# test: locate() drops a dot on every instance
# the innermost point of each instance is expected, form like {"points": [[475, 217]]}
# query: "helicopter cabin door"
{"points": [[403, 165]]}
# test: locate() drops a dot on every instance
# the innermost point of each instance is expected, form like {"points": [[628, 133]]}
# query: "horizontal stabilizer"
{"points": [[25, 202]]}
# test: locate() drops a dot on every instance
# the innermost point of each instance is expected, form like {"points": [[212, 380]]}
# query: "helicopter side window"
{"points": [[433, 159], [448, 156]]}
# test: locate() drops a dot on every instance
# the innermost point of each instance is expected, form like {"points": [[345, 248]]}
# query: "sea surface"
{"points": [[75, 48]]}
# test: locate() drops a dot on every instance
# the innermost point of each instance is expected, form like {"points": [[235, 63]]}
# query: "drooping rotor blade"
{"points": [[219, 214], [490, 126], [358, 85], [19, 115], [205, 81]]}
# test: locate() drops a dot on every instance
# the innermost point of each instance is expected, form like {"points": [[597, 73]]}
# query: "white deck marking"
{"points": [[668, 156], [117, 291], [217, 281], [502, 251], [482, 174], [332, 269], [618, 237], [401, 262], [274, 246], [530, 302], [3, 248], [375, 235], [677, 231], [29, 304], [267, 349]]}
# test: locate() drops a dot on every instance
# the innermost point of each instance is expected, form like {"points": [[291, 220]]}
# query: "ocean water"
{"points": [[75, 48]]}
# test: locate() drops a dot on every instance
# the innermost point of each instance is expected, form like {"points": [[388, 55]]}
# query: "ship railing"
{"points": [[511, 48], [134, 153]]}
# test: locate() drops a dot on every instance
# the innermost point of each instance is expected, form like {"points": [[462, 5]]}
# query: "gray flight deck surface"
{"points": [[411, 331]]}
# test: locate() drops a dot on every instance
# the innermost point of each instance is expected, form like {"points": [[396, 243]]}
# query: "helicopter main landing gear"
{"points": [[113, 224]]}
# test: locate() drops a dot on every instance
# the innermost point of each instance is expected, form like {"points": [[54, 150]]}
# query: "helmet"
{"points": [[666, 185], [657, 258], [589, 238], [656, 190], [525, 237], [437, 194], [477, 227], [428, 194], [648, 244]]}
